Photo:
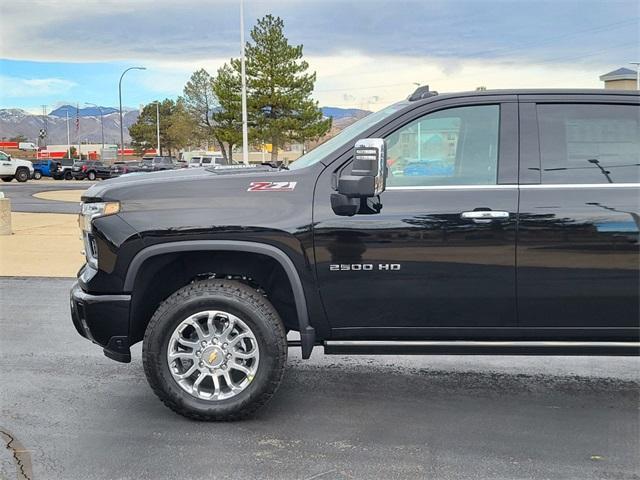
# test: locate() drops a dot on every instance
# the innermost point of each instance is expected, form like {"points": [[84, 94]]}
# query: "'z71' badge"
{"points": [[271, 186]]}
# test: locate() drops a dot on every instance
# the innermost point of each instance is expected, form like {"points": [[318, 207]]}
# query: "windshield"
{"points": [[349, 133]]}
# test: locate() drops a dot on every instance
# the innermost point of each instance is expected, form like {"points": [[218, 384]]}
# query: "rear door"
{"points": [[439, 259], [578, 251]]}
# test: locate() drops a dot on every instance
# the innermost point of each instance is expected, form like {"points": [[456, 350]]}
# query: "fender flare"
{"points": [[307, 332]]}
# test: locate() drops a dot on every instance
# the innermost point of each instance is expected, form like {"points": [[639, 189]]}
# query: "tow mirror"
{"points": [[366, 181]]}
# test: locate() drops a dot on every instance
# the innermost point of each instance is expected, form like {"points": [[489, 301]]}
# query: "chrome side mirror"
{"points": [[366, 181]]}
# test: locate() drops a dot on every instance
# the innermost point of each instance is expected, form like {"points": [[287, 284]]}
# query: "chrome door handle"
{"points": [[484, 215]]}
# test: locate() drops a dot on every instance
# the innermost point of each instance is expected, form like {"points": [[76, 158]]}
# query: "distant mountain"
{"points": [[339, 113], [84, 112], [14, 122]]}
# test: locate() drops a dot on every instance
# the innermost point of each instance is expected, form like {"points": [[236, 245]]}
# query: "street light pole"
{"points": [[101, 122], [120, 98], [637, 64], [245, 133], [158, 125]]}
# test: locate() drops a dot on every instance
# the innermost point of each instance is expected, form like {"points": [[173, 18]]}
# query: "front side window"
{"points": [[457, 146], [352, 132], [4, 156], [589, 143]]}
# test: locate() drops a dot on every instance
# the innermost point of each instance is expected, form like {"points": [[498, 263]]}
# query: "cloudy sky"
{"points": [[367, 53]]}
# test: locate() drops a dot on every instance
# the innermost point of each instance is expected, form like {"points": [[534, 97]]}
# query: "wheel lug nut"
{"points": [[204, 344], [198, 353], [201, 364], [224, 346]]}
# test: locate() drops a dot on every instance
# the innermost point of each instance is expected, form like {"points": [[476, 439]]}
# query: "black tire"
{"points": [[7, 179], [236, 298], [22, 175], [37, 175], [68, 176], [91, 176]]}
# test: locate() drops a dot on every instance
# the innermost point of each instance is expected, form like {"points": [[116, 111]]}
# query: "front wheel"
{"points": [[215, 350], [68, 176], [91, 176], [37, 175], [22, 175]]}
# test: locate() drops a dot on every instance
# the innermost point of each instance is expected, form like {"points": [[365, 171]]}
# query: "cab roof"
{"points": [[426, 96]]}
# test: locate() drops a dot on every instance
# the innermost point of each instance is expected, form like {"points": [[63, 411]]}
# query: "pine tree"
{"points": [[227, 118], [279, 89]]}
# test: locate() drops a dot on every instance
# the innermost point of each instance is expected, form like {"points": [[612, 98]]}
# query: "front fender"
{"points": [[307, 332]]}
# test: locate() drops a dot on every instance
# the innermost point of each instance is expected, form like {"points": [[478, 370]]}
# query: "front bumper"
{"points": [[103, 319]]}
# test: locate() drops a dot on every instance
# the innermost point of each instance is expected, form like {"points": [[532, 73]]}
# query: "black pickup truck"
{"points": [[496, 222], [90, 170]]}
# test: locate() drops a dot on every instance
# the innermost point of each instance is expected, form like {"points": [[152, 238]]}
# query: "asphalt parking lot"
{"points": [[22, 199], [73, 414]]}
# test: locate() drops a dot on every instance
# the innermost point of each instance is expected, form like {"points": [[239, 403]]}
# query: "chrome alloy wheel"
{"points": [[213, 355]]}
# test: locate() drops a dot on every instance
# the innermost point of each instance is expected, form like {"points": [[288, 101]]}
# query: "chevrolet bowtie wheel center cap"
{"points": [[213, 356]]}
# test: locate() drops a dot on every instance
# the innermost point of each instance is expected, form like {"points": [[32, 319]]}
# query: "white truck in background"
{"points": [[27, 146], [10, 168]]}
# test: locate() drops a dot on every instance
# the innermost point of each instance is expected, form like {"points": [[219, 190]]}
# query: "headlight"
{"points": [[89, 211]]}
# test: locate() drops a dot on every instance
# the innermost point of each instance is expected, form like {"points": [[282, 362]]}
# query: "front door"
{"points": [[5, 165], [440, 256]]}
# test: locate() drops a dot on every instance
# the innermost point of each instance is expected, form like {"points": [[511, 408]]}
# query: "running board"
{"points": [[463, 347]]}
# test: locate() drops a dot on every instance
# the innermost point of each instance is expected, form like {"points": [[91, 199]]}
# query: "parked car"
{"points": [[90, 170], [64, 169], [45, 167], [122, 168], [10, 168], [156, 164], [523, 241]]}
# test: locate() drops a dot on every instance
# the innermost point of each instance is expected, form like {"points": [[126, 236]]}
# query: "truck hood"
{"points": [[159, 184], [22, 163]]}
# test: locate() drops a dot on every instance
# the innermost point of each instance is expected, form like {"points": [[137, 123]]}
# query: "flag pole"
{"points": [[68, 135]]}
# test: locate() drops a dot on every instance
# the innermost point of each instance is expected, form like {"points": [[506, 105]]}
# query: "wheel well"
{"points": [[162, 275]]}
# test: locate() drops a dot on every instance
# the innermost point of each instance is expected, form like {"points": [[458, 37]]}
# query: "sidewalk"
{"points": [[42, 245]]}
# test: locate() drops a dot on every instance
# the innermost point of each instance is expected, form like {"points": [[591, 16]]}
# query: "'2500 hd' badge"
{"points": [[272, 186]]}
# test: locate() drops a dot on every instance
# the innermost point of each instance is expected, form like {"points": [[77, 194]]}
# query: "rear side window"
{"points": [[589, 143]]}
